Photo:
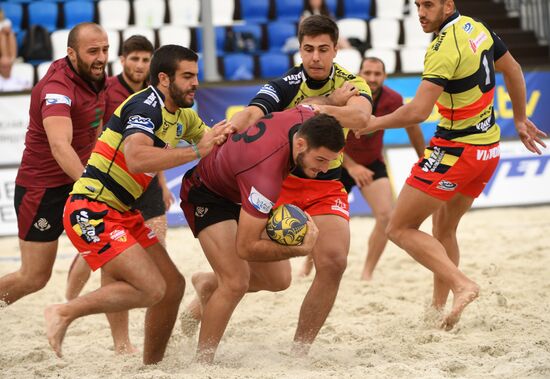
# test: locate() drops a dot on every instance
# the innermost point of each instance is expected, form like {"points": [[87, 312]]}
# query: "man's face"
{"points": [[315, 161], [90, 56], [317, 55], [184, 84], [374, 75], [136, 66], [432, 13]]}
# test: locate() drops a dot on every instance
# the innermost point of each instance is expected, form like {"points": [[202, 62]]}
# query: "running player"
{"points": [[139, 140], [227, 197], [66, 109], [459, 77]]}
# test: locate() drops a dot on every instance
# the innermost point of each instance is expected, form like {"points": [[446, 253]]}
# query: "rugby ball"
{"points": [[287, 225]]}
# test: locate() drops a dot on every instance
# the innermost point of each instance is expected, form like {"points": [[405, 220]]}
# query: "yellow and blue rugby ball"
{"points": [[287, 225]]}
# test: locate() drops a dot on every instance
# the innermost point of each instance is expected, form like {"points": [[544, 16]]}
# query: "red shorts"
{"points": [[449, 167], [100, 232], [316, 197]]}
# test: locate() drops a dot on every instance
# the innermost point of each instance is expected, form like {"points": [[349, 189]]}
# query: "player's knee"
{"points": [[383, 218], [393, 232], [281, 282], [234, 287], [35, 282], [175, 288], [155, 293], [332, 265]]}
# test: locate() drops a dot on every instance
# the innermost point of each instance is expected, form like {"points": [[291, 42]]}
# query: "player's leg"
{"points": [[37, 259], [161, 317], [445, 224], [379, 197], [218, 242], [412, 208], [330, 257], [135, 282], [78, 275], [270, 276]]}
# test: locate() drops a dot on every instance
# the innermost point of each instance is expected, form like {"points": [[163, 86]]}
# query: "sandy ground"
{"points": [[376, 329]]}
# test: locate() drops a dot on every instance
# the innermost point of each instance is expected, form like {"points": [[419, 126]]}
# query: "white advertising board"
{"points": [[13, 126], [521, 177]]}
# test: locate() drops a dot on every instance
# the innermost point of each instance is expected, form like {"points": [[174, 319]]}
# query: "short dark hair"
{"points": [[316, 25], [373, 59], [136, 43], [166, 59], [323, 130], [74, 33]]}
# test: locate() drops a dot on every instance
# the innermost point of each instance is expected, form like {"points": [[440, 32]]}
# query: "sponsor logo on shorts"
{"points": [[485, 155], [433, 160], [88, 224], [119, 235], [474, 44], [151, 234], [55, 98], [143, 123], [85, 253], [259, 201], [445, 185], [468, 27], [340, 206], [42, 224], [200, 211]]}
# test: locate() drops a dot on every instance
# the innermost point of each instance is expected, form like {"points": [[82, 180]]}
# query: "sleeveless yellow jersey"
{"points": [[461, 59], [106, 177], [294, 86]]}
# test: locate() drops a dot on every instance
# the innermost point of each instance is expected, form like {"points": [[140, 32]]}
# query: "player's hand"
{"points": [[310, 238], [217, 135], [167, 198], [370, 128], [340, 96], [361, 175], [530, 135]]}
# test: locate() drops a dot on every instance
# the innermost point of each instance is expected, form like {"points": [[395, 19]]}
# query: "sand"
{"points": [[376, 329]]}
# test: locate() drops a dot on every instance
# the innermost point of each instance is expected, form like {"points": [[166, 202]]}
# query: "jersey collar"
{"points": [[159, 94], [316, 84], [452, 19], [123, 82]]}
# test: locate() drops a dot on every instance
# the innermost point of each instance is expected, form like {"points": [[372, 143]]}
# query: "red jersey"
{"points": [[117, 91], [62, 92], [250, 167], [368, 148]]}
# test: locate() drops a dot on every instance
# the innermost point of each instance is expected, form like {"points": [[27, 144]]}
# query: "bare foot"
{"points": [[366, 276], [462, 298], [205, 284], [125, 349], [306, 268], [56, 327]]}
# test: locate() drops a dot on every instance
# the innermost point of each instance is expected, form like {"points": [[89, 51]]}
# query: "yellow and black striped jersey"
{"points": [[461, 59], [106, 177], [294, 86]]}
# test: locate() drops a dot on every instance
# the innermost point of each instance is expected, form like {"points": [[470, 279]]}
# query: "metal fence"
{"points": [[534, 15]]}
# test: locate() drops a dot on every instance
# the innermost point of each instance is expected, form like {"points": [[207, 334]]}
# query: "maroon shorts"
{"points": [[316, 197], [40, 212], [100, 232], [451, 167]]}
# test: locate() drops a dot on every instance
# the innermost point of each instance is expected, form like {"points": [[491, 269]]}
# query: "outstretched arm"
{"points": [[528, 132]]}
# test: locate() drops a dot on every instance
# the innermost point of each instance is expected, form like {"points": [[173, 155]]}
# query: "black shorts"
{"points": [[40, 212], [203, 207], [378, 167], [150, 203]]}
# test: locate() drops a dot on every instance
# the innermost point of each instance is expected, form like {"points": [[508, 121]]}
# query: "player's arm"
{"points": [[254, 246], [417, 139], [528, 132], [167, 197], [59, 131], [354, 115], [248, 116]]}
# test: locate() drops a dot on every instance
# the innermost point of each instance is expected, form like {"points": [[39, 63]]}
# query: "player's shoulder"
{"points": [[293, 77], [112, 81], [342, 74]]}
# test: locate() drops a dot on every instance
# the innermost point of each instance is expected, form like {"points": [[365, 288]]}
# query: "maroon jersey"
{"points": [[250, 167], [117, 91], [368, 148], [62, 92]]}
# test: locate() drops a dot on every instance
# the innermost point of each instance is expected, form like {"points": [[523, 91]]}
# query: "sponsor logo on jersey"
{"points": [[293, 78], [468, 27], [259, 201], [151, 100], [474, 44], [485, 155], [42, 224], [484, 125], [445, 185], [119, 235], [179, 130], [142, 123], [439, 41], [434, 160], [200, 211], [54, 98], [268, 90]]}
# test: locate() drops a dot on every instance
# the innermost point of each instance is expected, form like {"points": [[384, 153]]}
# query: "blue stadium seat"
{"points": [[77, 12], [238, 67], [254, 29], [273, 64], [19, 1], [13, 12], [255, 10], [278, 32], [357, 9], [43, 13], [332, 6], [289, 10], [220, 38]]}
